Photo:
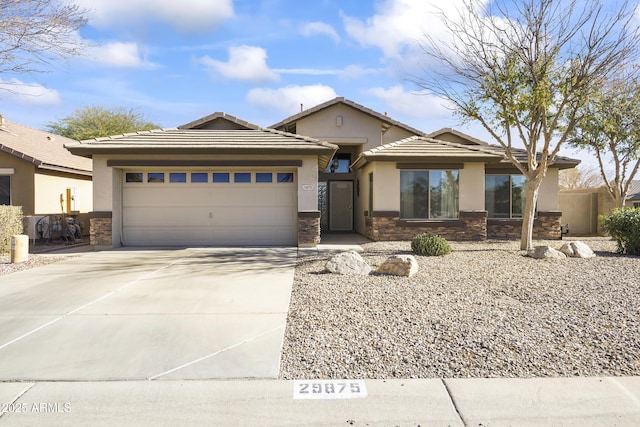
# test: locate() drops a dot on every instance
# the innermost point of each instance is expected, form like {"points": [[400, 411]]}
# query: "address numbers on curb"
{"points": [[329, 389]]}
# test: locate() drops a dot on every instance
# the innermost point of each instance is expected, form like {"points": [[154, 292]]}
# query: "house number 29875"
{"points": [[329, 389]]}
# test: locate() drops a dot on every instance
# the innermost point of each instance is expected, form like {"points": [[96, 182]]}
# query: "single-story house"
{"points": [[39, 174], [336, 167]]}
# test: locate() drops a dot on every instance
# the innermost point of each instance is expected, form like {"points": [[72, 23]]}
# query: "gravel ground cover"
{"points": [[34, 260], [483, 311]]}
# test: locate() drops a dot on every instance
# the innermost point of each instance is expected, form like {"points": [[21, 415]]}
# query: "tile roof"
{"points": [[203, 141], [634, 190], [389, 122], [419, 148], [43, 149]]}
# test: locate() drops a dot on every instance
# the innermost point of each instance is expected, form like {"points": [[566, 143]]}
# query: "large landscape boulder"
{"points": [[399, 265], [348, 263], [546, 252], [577, 250]]}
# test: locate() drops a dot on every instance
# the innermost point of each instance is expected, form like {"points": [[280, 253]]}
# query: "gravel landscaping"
{"points": [[483, 311], [35, 260]]}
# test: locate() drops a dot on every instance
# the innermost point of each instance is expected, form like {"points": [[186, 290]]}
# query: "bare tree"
{"points": [[523, 69], [611, 129], [579, 177], [36, 33]]}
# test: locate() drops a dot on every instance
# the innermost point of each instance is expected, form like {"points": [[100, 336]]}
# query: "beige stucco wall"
{"points": [[386, 183], [49, 188], [356, 128], [395, 134], [22, 182], [548, 194], [471, 181]]}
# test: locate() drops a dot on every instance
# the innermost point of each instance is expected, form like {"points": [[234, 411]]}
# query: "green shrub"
{"points": [[11, 224], [624, 226], [430, 245]]}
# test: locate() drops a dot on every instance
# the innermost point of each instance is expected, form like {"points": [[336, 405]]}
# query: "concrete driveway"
{"points": [[194, 313]]}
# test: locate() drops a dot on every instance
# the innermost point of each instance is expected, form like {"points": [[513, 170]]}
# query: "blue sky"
{"points": [[258, 60]]}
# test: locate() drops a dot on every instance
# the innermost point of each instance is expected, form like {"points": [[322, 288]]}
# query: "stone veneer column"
{"points": [[100, 229], [548, 226], [308, 228]]}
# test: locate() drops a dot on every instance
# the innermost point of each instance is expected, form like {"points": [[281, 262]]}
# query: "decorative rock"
{"points": [[348, 263], [546, 252], [577, 250], [399, 265]]}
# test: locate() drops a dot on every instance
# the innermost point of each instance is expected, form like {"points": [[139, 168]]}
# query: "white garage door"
{"points": [[209, 208]]}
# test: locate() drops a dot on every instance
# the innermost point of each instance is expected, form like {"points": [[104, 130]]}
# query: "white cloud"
{"points": [[245, 63], [398, 26], [413, 104], [33, 94], [355, 72], [117, 54], [288, 99], [319, 29], [184, 15]]}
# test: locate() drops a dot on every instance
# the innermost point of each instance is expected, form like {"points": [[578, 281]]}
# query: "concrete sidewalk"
{"points": [[428, 402]]}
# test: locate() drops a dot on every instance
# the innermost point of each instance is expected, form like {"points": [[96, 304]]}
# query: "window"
{"points": [[636, 204], [285, 176], [264, 177], [177, 177], [5, 190], [370, 194], [199, 177], [133, 177], [221, 177], [504, 195], [242, 177], [339, 164], [155, 177], [429, 194]]}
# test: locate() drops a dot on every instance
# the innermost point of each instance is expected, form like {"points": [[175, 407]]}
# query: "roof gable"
{"points": [[453, 135], [43, 149], [422, 149], [288, 124], [219, 121]]}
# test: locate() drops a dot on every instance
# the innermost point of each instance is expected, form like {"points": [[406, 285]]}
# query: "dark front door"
{"points": [[341, 205]]}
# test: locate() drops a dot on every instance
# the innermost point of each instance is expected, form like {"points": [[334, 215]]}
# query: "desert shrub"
{"points": [[430, 245], [11, 224], [623, 225]]}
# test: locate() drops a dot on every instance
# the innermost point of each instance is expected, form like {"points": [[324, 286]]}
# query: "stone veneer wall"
{"points": [[471, 225], [546, 226], [308, 228], [100, 229]]}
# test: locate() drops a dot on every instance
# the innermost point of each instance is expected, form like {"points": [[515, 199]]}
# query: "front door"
{"points": [[341, 205]]}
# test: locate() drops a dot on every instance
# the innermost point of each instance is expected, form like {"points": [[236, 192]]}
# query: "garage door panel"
{"points": [[209, 214]]}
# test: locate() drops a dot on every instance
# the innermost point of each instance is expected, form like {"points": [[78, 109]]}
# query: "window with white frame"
{"points": [[504, 195], [429, 194]]}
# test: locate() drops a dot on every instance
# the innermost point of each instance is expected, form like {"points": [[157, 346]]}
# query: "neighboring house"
{"points": [[336, 167], [38, 173], [633, 197]]}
